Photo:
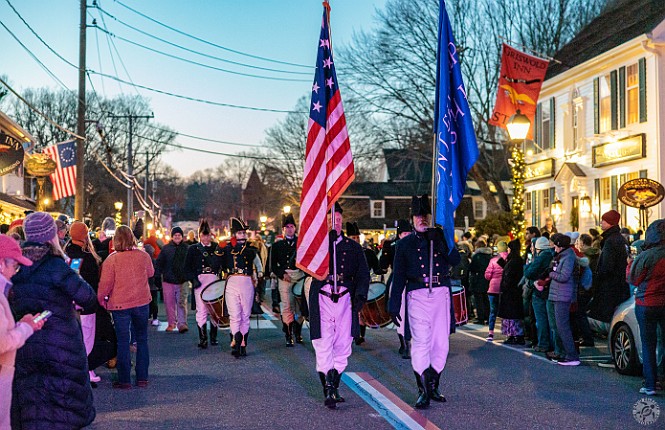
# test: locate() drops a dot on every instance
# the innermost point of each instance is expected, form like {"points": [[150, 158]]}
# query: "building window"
{"points": [[377, 208], [546, 198], [632, 94], [605, 98], [479, 209], [605, 190], [527, 201]]}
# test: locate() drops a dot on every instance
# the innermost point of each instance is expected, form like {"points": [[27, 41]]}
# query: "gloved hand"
{"points": [[396, 319]]}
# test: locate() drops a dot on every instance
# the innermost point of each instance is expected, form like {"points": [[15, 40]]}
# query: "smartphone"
{"points": [[42, 316], [76, 264]]}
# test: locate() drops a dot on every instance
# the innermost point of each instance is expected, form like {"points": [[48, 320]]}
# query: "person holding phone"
{"points": [[12, 335], [55, 356]]}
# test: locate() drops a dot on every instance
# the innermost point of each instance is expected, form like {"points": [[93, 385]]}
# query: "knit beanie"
{"points": [[543, 243], [611, 217], [39, 227], [175, 230], [78, 232]]}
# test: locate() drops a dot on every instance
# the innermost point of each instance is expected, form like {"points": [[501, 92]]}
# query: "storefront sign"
{"points": [[40, 164], [641, 193], [539, 170], [630, 148], [11, 153]]}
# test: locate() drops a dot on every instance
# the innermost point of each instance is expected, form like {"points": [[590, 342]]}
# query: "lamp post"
{"points": [[118, 214], [518, 127]]}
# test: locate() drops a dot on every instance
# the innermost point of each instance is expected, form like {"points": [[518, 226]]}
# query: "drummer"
{"points": [[201, 268], [429, 307], [386, 261], [283, 266], [333, 315], [353, 232], [238, 260]]}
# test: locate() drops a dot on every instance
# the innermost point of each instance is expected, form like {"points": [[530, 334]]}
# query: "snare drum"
{"points": [[374, 313], [213, 299], [459, 303]]}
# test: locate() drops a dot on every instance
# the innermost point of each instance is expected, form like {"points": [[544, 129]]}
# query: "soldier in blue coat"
{"points": [[333, 316], [430, 316]]}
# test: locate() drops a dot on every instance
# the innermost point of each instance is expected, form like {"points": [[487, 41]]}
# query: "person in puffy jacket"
{"points": [[52, 365], [563, 291], [493, 274], [478, 285], [539, 269], [511, 309]]}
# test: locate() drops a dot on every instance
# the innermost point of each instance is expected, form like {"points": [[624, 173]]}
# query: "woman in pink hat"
{"points": [[12, 335]]}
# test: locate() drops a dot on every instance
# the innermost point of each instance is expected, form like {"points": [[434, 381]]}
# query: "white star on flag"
{"points": [[329, 82], [325, 42], [317, 106], [315, 87], [327, 62]]}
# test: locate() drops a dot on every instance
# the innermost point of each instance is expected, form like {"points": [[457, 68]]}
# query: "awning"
{"points": [[573, 168]]}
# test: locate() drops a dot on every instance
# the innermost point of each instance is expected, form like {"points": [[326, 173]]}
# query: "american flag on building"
{"points": [[328, 160], [64, 177]]}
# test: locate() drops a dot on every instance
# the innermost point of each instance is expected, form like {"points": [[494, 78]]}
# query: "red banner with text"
{"points": [[520, 80]]}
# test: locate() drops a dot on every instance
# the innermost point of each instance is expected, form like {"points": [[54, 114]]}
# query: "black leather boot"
{"points": [[407, 350], [330, 400], [423, 398], [361, 339], [433, 385], [337, 378], [237, 340], [287, 329], [213, 335], [402, 345], [297, 331], [322, 377], [203, 337], [243, 345]]}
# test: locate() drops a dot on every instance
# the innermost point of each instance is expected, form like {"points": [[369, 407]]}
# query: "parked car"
{"points": [[623, 339]]}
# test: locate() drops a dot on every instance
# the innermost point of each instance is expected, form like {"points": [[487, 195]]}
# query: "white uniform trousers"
{"points": [[239, 297], [201, 311], [429, 322], [334, 347]]}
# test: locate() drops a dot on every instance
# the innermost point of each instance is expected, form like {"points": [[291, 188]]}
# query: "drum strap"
{"points": [[332, 296]]}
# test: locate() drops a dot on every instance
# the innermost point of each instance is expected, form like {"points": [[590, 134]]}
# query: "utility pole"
{"points": [[79, 199], [130, 160]]}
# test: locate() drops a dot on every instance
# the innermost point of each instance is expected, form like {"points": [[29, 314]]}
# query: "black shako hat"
{"points": [[204, 227], [402, 226], [237, 224], [338, 208], [420, 205], [352, 229], [288, 219]]}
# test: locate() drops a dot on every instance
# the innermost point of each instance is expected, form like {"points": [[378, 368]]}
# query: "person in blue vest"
{"points": [[430, 315], [333, 315]]}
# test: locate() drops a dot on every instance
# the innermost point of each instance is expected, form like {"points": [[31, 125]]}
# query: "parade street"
{"points": [[274, 387]]}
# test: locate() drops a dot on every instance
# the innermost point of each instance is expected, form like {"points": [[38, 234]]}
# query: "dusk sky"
{"points": [[286, 31]]}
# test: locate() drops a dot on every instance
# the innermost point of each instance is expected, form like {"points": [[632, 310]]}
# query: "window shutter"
{"points": [[614, 188], [642, 65], [622, 97], [622, 180], [551, 131], [596, 106], [643, 173], [537, 129], [596, 186], [552, 192], [613, 100], [534, 208]]}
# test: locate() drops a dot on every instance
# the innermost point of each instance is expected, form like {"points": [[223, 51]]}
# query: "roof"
{"points": [[620, 21], [380, 190], [574, 168], [18, 201]]}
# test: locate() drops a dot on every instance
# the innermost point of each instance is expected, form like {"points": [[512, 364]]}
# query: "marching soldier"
{"points": [[429, 318], [333, 314], [201, 268], [353, 232], [386, 261], [238, 259], [283, 266]]}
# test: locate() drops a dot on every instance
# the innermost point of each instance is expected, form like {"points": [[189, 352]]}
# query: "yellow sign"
{"points": [[641, 193], [630, 148], [539, 170]]}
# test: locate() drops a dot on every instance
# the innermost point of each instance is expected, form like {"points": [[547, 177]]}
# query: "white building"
{"points": [[601, 119]]}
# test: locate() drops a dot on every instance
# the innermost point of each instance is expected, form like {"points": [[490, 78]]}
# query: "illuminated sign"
{"points": [[641, 193], [539, 170], [11, 153], [630, 148]]}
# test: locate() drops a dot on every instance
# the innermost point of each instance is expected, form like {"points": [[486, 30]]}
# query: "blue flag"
{"points": [[456, 146]]}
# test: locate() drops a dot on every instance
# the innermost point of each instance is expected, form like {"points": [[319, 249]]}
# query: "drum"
{"points": [[213, 299], [374, 312], [299, 294], [459, 303]]}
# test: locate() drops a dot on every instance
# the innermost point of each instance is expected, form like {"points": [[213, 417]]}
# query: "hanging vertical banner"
{"points": [[520, 80]]}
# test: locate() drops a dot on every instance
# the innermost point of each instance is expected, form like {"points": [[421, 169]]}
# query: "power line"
{"points": [[194, 99], [196, 63], [145, 33], [207, 42], [249, 145], [205, 151]]}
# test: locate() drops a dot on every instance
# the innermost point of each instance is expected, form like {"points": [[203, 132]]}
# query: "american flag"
{"points": [[328, 160], [64, 177]]}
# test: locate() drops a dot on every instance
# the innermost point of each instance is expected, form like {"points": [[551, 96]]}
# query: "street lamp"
{"points": [[263, 220], [287, 209], [585, 205], [557, 208], [118, 214], [518, 128]]}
